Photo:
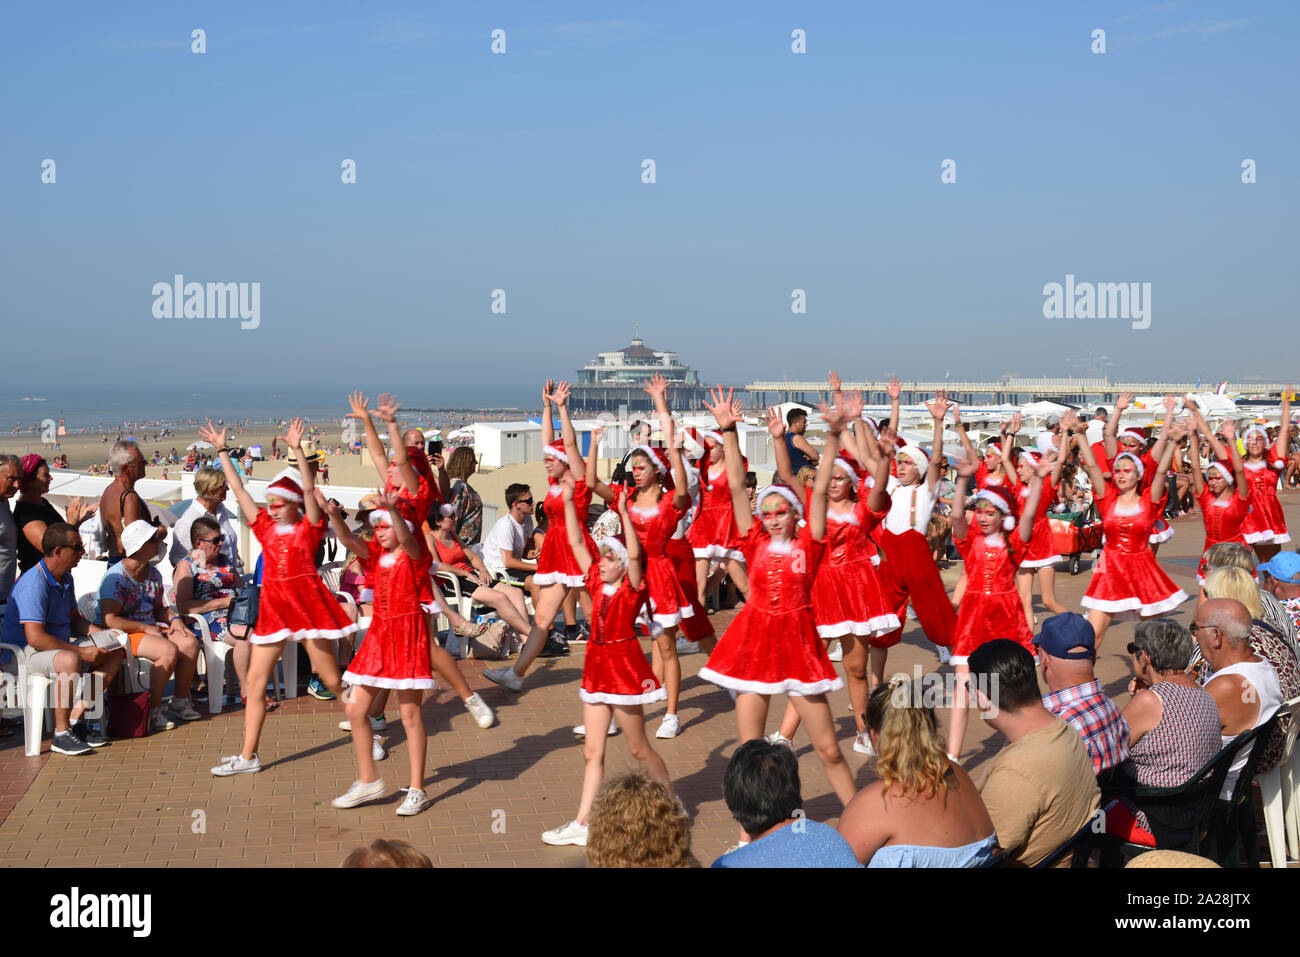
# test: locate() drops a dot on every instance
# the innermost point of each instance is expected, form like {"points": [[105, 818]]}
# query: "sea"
{"points": [[110, 410]]}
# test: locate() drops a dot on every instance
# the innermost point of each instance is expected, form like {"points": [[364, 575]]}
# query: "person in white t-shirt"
{"points": [[209, 497], [507, 544], [1097, 426]]}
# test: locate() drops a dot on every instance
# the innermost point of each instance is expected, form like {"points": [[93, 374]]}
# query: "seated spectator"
{"points": [[1040, 788], [1067, 651], [1173, 725], [33, 513], [452, 557], [637, 822], [925, 810], [1280, 580], [209, 500], [131, 600], [466, 501], [763, 794], [42, 614], [509, 541], [205, 585], [1265, 641], [1244, 685], [10, 471], [383, 853]]}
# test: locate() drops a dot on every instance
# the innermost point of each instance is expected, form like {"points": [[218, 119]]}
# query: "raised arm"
{"points": [[548, 425], [1238, 470], [1110, 434], [1216, 447], [577, 464], [817, 503], [960, 524], [776, 427], [964, 436], [938, 409], [895, 387], [878, 497], [1090, 466], [599, 488], [374, 446], [573, 527], [345, 535], [1176, 432], [1284, 427], [727, 415], [1158, 449], [1009, 433], [310, 507], [1030, 512], [386, 409], [681, 494], [635, 554], [405, 537], [208, 433]]}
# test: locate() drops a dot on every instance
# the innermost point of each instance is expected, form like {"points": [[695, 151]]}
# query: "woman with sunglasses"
{"points": [[772, 646]]}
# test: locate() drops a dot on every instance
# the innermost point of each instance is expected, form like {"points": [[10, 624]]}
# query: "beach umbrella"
{"points": [[199, 445]]}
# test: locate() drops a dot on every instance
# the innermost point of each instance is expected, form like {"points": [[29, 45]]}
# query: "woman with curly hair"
{"points": [[925, 810], [636, 822]]}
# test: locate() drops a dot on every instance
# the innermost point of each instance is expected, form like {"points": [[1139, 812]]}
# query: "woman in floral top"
{"points": [[466, 501]]}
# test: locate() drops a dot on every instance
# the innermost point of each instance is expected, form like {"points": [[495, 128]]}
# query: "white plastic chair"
{"points": [[213, 659], [1277, 789], [137, 670]]}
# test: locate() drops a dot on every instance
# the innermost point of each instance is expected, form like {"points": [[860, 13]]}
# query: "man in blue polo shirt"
{"points": [[763, 794], [42, 614]]}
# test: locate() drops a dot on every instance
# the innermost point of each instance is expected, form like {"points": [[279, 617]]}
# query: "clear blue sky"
{"points": [[522, 171]]}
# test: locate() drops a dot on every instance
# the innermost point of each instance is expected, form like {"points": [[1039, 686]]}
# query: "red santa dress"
{"points": [[615, 670], [293, 603], [1265, 523], [713, 534], [1224, 520], [848, 597], [556, 564], [1126, 581], [395, 652], [991, 606]]}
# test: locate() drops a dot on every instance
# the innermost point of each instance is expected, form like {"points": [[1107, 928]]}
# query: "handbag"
{"points": [[128, 714], [243, 608]]}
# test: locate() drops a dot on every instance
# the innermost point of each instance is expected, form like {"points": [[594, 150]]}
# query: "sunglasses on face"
{"points": [[525, 501], [210, 541], [79, 548], [1194, 627]]}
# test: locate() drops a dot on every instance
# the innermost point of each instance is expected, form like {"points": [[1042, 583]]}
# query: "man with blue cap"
{"points": [[1283, 582], [1067, 652]]}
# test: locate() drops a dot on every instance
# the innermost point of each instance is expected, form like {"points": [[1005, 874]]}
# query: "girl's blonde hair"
{"points": [[909, 752], [1230, 555], [1229, 582]]}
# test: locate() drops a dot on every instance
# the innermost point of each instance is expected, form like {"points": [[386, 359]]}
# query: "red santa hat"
{"points": [[845, 461], [1135, 435], [287, 485], [659, 459], [714, 436], [1001, 498], [783, 490], [693, 443], [556, 451], [1137, 462], [615, 547], [382, 516], [1224, 471]]}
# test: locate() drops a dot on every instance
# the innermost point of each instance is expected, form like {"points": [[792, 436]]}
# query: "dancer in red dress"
{"points": [[991, 470], [558, 570], [1136, 445], [395, 652], [409, 477], [1041, 556], [848, 599], [1126, 581], [713, 534], [293, 603], [772, 646], [697, 630], [615, 676], [992, 547], [656, 505], [1265, 526], [1224, 498]]}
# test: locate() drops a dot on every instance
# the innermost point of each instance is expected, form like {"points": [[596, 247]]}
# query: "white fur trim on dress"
{"points": [[716, 553], [787, 687], [289, 634], [1266, 537], [1047, 562], [1159, 538], [880, 625], [399, 684], [600, 697], [552, 578], [1127, 608]]}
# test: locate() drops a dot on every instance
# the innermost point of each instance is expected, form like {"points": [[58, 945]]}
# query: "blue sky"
{"points": [[522, 172]]}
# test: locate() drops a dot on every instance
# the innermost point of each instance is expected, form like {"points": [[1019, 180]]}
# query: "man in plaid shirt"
{"points": [[1067, 652]]}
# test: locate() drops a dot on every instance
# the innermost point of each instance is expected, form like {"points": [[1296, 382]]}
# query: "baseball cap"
{"points": [[1068, 630], [1284, 566]]}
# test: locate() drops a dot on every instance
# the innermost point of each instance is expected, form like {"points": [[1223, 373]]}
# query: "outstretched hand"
{"points": [[834, 379], [939, 405], [887, 440], [386, 407], [1170, 403], [1017, 420], [1229, 429], [775, 424], [297, 429], [834, 418], [656, 386], [894, 387], [852, 404], [720, 406], [965, 467], [561, 394], [209, 433], [1124, 400], [359, 404]]}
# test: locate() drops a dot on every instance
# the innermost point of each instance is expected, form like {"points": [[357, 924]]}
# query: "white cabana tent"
{"points": [[507, 443]]}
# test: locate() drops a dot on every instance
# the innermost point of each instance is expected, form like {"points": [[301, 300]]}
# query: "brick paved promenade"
{"points": [[134, 803]]}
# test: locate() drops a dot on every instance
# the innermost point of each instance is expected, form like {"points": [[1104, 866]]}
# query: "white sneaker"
{"points": [[360, 793], [669, 727], [414, 802], [377, 750], [581, 729], [836, 653], [943, 653], [483, 715], [376, 724], [776, 737], [237, 764], [159, 721], [506, 678], [685, 647], [571, 833], [862, 745]]}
